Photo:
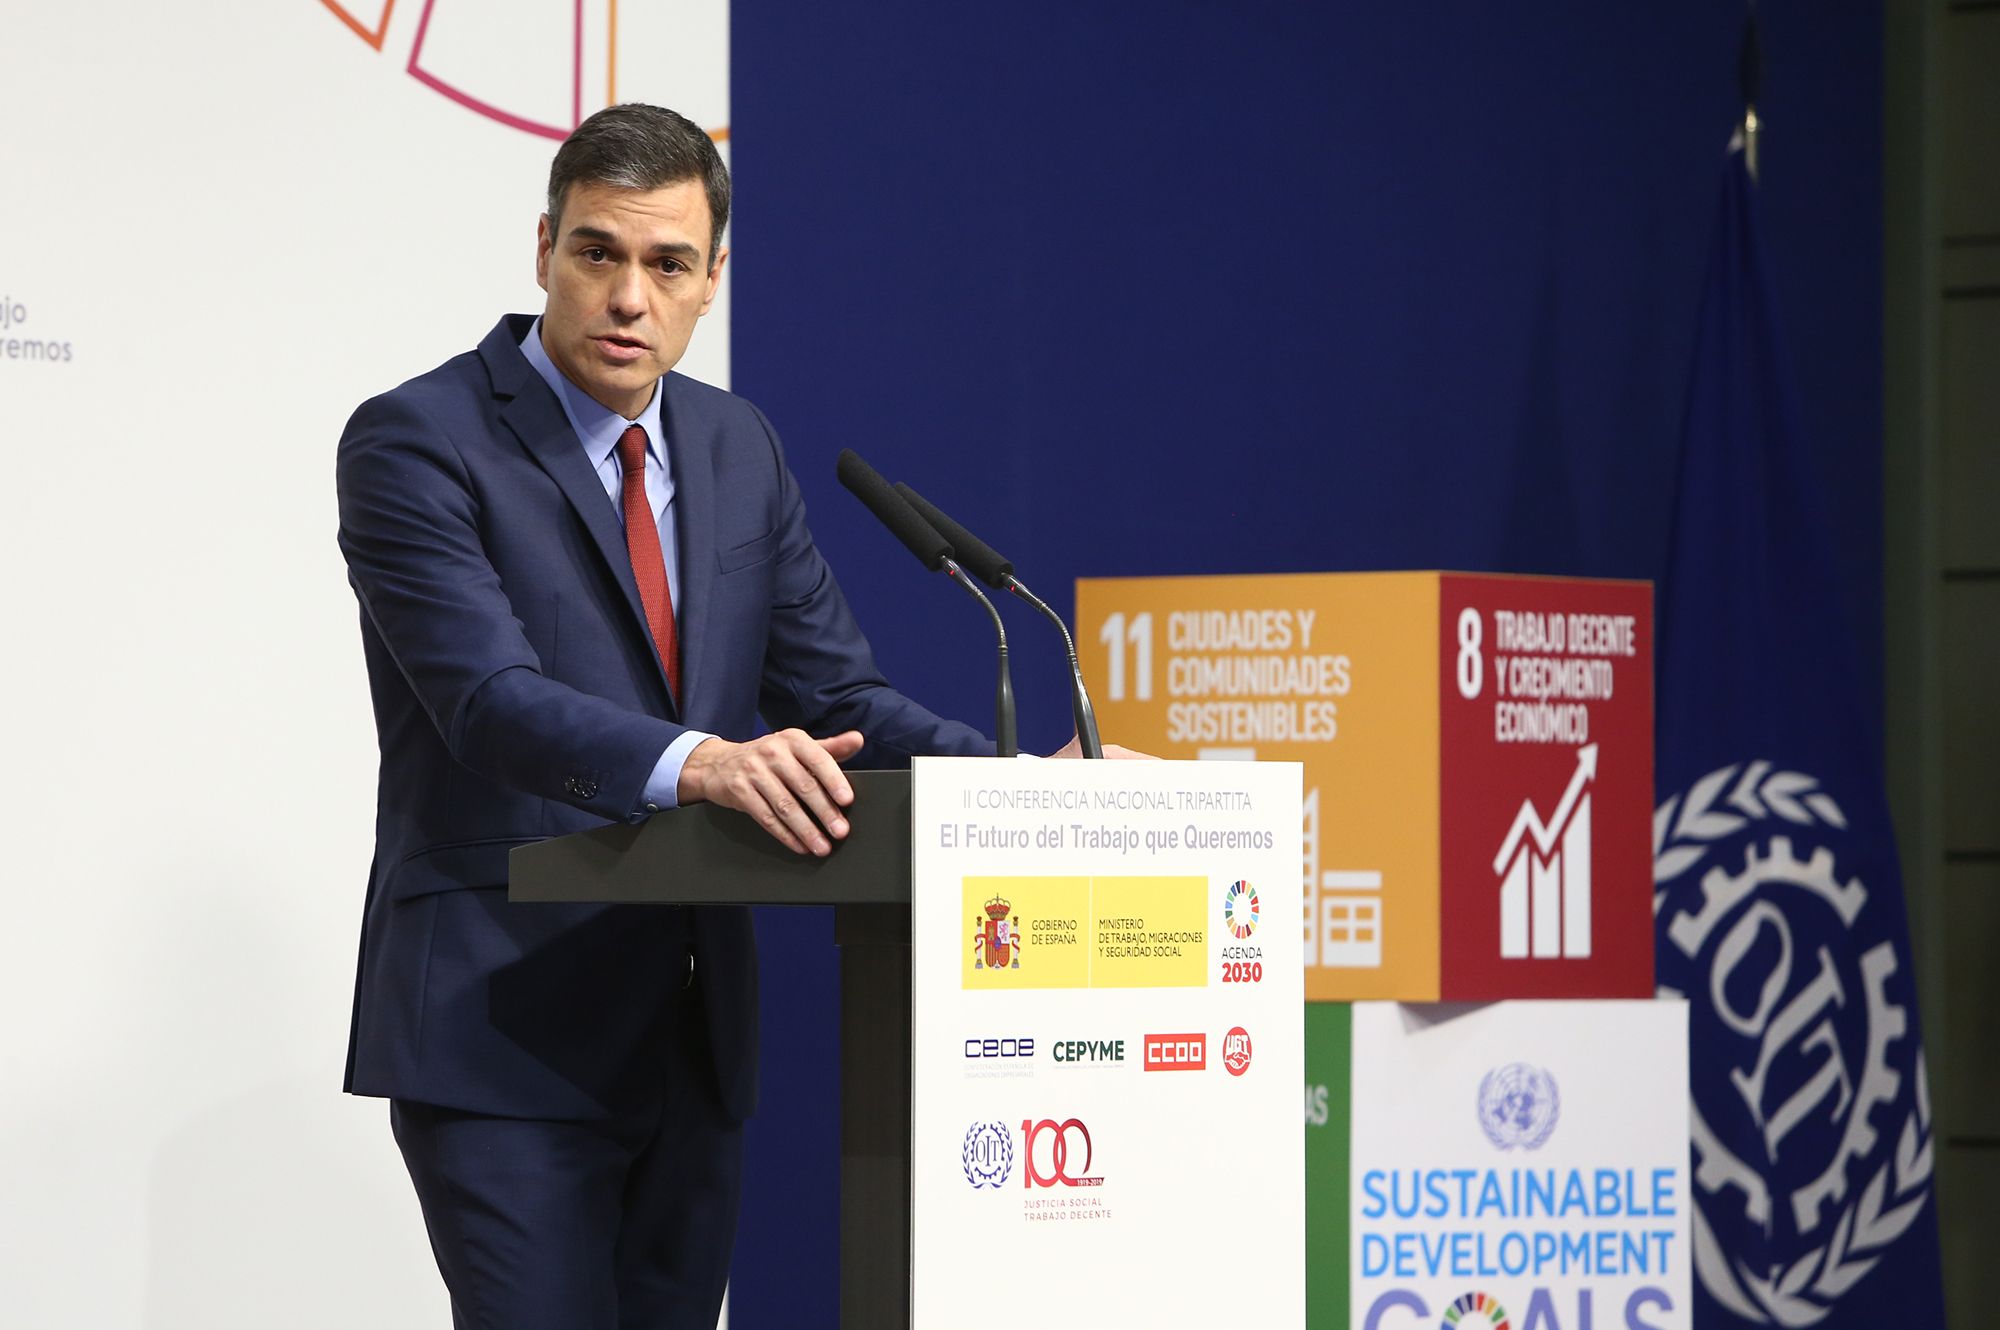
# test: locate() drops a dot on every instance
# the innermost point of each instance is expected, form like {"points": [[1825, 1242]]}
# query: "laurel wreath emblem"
{"points": [[981, 1175], [1685, 830]]}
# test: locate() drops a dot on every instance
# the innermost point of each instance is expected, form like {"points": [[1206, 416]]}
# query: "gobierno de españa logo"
{"points": [[1809, 1114], [516, 95]]}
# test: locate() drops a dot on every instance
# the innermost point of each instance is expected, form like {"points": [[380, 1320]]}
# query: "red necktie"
{"points": [[642, 542]]}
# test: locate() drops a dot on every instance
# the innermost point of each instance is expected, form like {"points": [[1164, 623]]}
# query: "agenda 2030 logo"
{"points": [[1242, 962]]}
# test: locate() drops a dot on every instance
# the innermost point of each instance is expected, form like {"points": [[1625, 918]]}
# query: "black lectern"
{"points": [[704, 855]]}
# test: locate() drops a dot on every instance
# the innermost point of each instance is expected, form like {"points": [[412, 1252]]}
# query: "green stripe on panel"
{"points": [[1329, 1063]]}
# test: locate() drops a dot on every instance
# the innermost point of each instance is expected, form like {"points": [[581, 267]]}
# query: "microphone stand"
{"points": [[933, 551], [985, 562], [1079, 697], [1006, 741]]}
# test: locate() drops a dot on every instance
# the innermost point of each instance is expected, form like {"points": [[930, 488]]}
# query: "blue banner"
{"points": [[1778, 901]]}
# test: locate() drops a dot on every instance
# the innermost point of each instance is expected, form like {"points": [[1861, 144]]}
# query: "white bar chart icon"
{"points": [[1544, 871]]}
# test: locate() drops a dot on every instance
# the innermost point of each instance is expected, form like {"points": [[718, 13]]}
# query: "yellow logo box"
{"points": [[1084, 932]]}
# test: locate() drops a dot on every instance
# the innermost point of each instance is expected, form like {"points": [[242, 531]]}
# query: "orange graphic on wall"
{"points": [[489, 105]]}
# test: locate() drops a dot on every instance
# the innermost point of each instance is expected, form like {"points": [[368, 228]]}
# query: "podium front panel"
{"points": [[1107, 1044]]}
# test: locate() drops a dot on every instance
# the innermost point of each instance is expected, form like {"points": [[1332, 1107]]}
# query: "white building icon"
{"points": [[1544, 872], [1343, 925]]}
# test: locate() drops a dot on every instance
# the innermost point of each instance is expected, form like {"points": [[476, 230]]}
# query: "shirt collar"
{"points": [[597, 426]]}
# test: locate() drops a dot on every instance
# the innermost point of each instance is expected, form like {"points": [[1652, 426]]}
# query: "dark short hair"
{"points": [[636, 146]]}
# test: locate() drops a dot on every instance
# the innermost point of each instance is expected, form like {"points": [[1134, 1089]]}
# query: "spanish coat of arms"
{"points": [[996, 939]]}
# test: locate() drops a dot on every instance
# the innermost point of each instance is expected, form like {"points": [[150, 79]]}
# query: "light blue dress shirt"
{"points": [[598, 429]]}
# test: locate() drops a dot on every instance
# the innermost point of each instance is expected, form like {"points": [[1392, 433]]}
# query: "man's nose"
{"points": [[628, 292]]}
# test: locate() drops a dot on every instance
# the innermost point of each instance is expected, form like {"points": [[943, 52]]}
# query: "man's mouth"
{"points": [[616, 346]]}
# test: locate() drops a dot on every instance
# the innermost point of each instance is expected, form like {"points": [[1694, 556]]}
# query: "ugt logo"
{"points": [[1811, 1125], [1055, 1144]]}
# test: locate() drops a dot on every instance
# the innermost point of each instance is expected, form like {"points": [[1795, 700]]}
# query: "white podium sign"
{"points": [[1107, 1043]]}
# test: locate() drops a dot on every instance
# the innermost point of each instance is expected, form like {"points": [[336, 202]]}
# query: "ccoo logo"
{"points": [[1176, 1052]]}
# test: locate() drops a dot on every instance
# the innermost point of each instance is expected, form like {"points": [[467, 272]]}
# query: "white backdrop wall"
{"points": [[221, 227]]}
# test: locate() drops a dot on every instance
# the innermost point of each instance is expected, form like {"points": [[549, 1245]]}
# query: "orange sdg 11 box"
{"points": [[1478, 756]]}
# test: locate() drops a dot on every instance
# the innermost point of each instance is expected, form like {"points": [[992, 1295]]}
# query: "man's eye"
{"points": [[672, 266], [594, 254]]}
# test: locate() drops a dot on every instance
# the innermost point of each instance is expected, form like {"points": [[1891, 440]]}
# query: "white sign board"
{"points": [[1520, 1166], [1107, 1043]]}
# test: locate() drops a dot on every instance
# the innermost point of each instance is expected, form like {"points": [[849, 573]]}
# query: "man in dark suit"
{"points": [[582, 579]]}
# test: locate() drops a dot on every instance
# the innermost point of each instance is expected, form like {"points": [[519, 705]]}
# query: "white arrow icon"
{"points": [[1552, 884], [1525, 821]]}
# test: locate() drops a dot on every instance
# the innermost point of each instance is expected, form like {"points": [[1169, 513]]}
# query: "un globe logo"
{"points": [[1518, 1106]]}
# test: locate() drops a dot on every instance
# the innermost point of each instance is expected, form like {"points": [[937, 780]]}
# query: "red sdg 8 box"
{"points": [[1546, 788]]}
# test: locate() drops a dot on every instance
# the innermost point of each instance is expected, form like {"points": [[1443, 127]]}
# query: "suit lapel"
{"points": [[536, 418], [691, 442]]}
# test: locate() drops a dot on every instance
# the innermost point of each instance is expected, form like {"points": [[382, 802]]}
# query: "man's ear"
{"points": [[714, 279], [545, 243]]}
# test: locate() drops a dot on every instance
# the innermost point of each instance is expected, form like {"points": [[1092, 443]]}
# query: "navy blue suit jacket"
{"points": [[517, 695]]}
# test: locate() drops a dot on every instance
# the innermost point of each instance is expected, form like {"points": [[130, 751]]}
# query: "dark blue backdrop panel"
{"points": [[1191, 286]]}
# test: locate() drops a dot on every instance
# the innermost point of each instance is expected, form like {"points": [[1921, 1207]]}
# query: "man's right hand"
{"points": [[789, 782]]}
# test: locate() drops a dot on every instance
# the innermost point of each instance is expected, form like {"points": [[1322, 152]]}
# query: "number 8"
{"points": [[1471, 666]]}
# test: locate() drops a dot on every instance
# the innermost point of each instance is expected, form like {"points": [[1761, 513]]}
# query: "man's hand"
{"points": [[1112, 752], [789, 782]]}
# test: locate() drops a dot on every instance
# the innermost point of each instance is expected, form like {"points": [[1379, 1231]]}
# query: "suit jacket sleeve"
{"points": [[819, 673], [411, 532]]}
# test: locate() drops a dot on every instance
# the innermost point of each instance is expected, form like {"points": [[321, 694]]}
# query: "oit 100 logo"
{"points": [[1050, 1154], [1053, 1154]]}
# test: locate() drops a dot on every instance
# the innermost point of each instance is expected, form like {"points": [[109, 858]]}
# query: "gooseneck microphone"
{"points": [[998, 573], [923, 539]]}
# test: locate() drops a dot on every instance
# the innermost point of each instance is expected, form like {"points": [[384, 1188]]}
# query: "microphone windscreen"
{"points": [[865, 483], [979, 558]]}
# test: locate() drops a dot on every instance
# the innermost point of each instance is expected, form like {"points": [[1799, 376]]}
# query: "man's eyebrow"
{"points": [[598, 235]]}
